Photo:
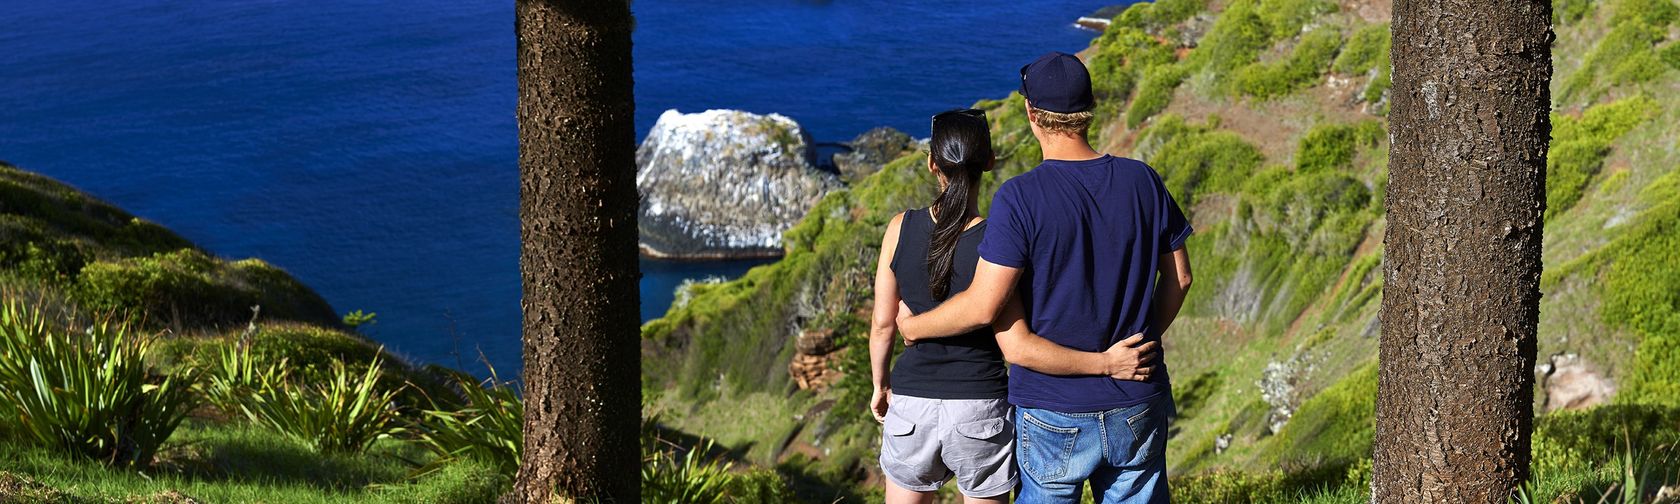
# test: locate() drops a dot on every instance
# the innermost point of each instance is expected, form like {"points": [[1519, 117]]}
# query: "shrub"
{"points": [[1333, 146], [1193, 160], [1579, 146], [1235, 40], [1658, 13], [1300, 71], [1365, 51], [344, 415], [1156, 92], [1154, 16], [696, 478], [234, 375], [1624, 56], [86, 390], [188, 288], [490, 428], [1287, 17], [1566, 12]]}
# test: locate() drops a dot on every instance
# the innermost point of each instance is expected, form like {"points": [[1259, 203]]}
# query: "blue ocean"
{"points": [[370, 147]]}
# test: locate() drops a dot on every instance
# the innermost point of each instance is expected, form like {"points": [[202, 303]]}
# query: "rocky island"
{"points": [[725, 184]]}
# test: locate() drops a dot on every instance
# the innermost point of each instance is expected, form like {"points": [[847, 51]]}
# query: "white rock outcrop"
{"points": [[724, 184]]}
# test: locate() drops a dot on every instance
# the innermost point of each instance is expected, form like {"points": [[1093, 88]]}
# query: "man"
{"points": [[1078, 241]]}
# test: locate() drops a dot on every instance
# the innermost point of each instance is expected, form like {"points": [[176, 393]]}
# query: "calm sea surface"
{"points": [[369, 147]]}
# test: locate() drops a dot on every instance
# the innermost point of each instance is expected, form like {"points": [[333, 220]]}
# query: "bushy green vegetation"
{"points": [[85, 388], [1197, 159], [344, 414], [1328, 146], [489, 428], [1156, 91], [1299, 71], [1625, 56], [1580, 144], [1236, 39], [1367, 52]]}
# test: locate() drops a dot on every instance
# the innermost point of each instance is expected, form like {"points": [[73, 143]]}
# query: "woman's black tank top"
{"points": [[969, 366]]}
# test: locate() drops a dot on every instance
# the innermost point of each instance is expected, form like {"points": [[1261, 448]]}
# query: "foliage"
{"points": [[1337, 424], [356, 319], [1580, 144], [674, 475], [194, 289], [344, 415], [1236, 39], [490, 428], [1627, 54], [1156, 91], [1299, 71], [1286, 18], [85, 389], [1157, 15], [1365, 50], [1328, 146], [1197, 159], [1565, 12], [234, 375]]}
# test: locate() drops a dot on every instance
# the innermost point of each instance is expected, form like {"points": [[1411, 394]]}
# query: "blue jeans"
{"points": [[1121, 451]]}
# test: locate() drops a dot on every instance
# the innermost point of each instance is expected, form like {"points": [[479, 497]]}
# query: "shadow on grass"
{"points": [[230, 453]]}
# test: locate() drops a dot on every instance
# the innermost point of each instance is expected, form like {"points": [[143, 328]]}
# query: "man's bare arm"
{"points": [[1129, 359], [1173, 285], [971, 309]]}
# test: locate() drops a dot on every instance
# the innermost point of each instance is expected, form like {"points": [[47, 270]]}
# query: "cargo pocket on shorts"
{"points": [[1044, 449], [904, 453]]}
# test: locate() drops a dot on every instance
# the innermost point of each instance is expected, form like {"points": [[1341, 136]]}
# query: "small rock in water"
{"points": [[871, 150]]}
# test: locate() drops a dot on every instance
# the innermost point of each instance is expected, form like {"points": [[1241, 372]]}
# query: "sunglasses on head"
{"points": [[975, 113]]}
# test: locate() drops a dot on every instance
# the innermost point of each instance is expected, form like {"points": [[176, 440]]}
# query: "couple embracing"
{"points": [[1072, 280]]}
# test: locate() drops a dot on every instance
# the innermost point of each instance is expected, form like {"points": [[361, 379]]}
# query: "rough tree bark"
{"points": [[1470, 126], [577, 213]]}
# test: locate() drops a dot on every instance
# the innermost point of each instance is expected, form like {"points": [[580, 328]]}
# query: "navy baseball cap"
{"points": [[1057, 82]]}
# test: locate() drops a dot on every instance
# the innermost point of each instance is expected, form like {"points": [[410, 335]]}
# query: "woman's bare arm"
{"points": [[883, 322]]}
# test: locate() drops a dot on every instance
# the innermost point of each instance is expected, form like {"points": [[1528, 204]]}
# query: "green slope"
{"points": [[1266, 118]]}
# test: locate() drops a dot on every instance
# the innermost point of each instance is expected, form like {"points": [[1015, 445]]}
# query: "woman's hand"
{"points": [[904, 314], [878, 403], [1132, 359]]}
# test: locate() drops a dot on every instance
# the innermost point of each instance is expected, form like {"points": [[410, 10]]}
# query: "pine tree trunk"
{"points": [[577, 204], [1470, 126]]}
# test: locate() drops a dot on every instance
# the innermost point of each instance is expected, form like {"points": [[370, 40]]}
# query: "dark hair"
{"points": [[961, 149]]}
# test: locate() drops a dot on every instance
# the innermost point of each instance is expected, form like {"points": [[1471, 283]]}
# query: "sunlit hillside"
{"points": [[1267, 119]]}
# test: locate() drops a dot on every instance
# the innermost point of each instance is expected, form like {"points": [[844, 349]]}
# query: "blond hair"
{"points": [[1066, 123]]}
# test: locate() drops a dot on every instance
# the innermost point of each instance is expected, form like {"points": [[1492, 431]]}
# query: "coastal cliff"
{"points": [[724, 184]]}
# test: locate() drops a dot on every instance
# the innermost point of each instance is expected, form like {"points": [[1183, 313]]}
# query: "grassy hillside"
{"points": [[1267, 119], [133, 369]]}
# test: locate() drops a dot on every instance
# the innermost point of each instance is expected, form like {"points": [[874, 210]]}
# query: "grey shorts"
{"points": [[927, 441]]}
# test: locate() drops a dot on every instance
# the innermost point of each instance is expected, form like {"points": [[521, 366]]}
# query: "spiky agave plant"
{"points": [[344, 415], [86, 390], [490, 428], [234, 375], [692, 478]]}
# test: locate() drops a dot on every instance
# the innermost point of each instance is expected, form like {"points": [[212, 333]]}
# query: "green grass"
{"points": [[229, 463], [1580, 144]]}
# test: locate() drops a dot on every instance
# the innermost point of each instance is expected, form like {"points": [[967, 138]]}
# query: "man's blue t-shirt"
{"points": [[1087, 236]]}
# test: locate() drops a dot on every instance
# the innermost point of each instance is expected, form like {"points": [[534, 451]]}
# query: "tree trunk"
{"points": [[577, 214], [1470, 126]]}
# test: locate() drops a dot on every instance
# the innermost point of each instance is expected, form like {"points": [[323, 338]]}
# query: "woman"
{"points": [[944, 407]]}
